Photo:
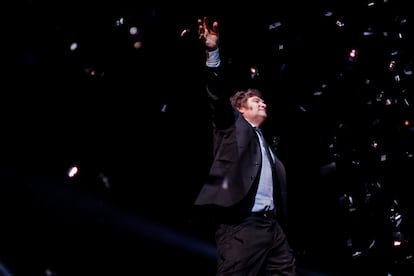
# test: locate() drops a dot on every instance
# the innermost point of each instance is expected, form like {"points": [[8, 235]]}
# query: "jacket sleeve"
{"points": [[222, 112]]}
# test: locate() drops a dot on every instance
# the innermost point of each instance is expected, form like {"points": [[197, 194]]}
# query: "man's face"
{"points": [[254, 110]]}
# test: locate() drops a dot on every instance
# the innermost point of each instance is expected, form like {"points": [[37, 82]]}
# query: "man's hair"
{"points": [[239, 99]]}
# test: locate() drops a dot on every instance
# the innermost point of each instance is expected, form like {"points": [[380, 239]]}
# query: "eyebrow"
{"points": [[256, 98]]}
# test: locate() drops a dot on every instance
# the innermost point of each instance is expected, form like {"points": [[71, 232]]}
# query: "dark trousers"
{"points": [[256, 246]]}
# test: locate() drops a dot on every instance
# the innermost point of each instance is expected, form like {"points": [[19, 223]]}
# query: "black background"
{"points": [[141, 123]]}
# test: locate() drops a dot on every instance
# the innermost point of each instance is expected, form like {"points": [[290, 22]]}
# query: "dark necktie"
{"points": [[275, 179], [269, 155]]}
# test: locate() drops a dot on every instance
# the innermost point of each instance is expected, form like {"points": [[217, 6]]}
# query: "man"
{"points": [[246, 183]]}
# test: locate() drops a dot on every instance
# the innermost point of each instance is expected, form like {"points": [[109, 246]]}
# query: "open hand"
{"points": [[209, 35]]}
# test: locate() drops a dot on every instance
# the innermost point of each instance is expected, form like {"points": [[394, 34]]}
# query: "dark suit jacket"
{"points": [[233, 175]]}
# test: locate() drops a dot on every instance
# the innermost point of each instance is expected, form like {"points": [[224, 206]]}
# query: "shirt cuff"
{"points": [[213, 58]]}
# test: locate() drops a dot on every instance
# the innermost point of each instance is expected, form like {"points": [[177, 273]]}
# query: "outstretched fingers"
{"points": [[206, 25], [202, 31], [215, 28]]}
